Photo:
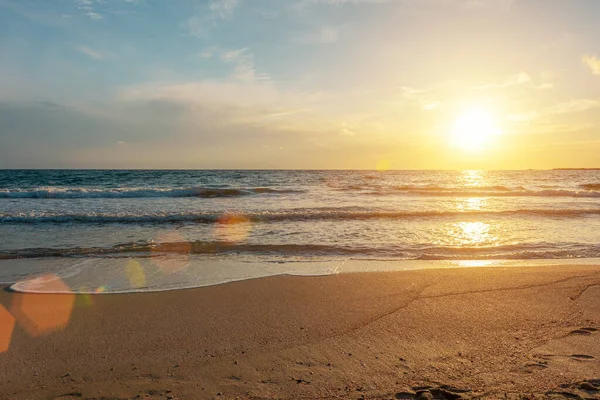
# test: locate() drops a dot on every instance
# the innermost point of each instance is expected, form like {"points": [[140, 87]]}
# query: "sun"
{"points": [[473, 129]]}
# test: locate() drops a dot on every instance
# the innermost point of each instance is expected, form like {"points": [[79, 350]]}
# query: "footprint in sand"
{"points": [[583, 331], [69, 396], [531, 367], [582, 357]]}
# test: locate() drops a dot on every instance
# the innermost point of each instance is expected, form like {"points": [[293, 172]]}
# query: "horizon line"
{"points": [[296, 169]]}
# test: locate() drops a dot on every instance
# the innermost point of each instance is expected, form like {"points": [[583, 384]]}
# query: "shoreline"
{"points": [[486, 331], [192, 270]]}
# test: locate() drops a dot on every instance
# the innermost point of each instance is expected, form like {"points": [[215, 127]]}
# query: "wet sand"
{"points": [[448, 333]]}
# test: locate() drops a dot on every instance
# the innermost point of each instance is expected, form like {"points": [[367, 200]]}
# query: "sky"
{"points": [[298, 84]]}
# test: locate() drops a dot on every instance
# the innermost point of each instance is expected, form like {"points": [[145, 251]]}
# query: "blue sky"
{"points": [[296, 84]]}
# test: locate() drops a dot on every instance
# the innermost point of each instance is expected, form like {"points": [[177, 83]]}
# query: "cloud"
{"points": [[251, 104], [569, 107], [592, 62], [197, 26], [223, 8], [504, 5], [88, 9], [200, 24], [209, 52], [431, 106], [324, 36], [573, 106], [477, 4], [244, 69], [207, 94], [522, 79], [94, 16], [91, 53], [242, 60], [425, 99], [348, 129], [514, 80]]}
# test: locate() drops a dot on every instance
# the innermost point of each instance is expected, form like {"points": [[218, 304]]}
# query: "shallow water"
{"points": [[273, 218]]}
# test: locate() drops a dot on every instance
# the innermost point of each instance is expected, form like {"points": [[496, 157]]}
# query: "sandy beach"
{"points": [[447, 333]]}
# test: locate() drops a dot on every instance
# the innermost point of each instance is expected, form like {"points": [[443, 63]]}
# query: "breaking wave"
{"points": [[78, 193], [402, 252], [591, 186], [283, 216], [591, 190]]}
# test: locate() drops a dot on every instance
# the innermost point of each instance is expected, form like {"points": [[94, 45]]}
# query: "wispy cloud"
{"points": [[514, 80], [200, 23], [425, 99], [209, 52], [324, 36], [243, 61], [505, 5], [245, 68], [87, 7], [91, 53], [223, 102], [223, 8], [522, 79], [592, 62], [568, 107]]}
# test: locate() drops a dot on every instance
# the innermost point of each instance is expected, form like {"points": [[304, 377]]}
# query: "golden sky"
{"points": [[303, 84]]}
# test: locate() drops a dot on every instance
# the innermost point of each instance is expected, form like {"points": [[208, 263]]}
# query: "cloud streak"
{"points": [[568, 107], [223, 9], [324, 36], [593, 63], [91, 53], [87, 7]]}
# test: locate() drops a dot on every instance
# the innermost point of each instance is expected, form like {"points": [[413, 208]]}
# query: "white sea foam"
{"points": [[123, 193], [106, 276], [332, 214]]}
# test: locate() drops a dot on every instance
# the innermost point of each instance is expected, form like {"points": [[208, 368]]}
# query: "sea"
{"points": [[116, 231]]}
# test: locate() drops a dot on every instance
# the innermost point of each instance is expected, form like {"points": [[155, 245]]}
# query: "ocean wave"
{"points": [[79, 193], [512, 193], [591, 186], [403, 252], [284, 216], [590, 190], [494, 193], [429, 188]]}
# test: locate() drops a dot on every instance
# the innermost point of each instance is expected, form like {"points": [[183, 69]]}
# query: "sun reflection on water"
{"points": [[473, 233], [468, 234], [472, 178], [472, 204]]}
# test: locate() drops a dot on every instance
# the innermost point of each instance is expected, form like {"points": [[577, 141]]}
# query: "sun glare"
{"points": [[473, 129]]}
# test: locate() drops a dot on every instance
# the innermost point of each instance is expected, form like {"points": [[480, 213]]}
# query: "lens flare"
{"points": [[7, 325], [179, 251], [232, 228], [85, 299], [135, 274], [40, 314]]}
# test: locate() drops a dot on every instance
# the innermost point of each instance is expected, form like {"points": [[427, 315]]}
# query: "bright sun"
{"points": [[473, 129]]}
